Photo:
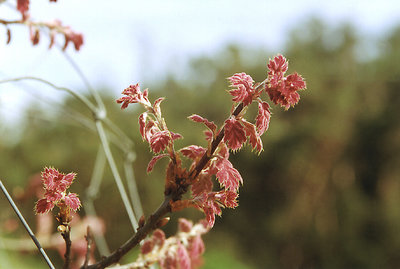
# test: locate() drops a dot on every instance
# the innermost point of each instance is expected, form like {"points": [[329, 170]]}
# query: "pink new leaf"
{"points": [[133, 95], [176, 136], [234, 134], [243, 88], [74, 37], [43, 206], [196, 249], [184, 225], [193, 151], [159, 141], [227, 175], [210, 125], [202, 184], [23, 7], [159, 237], [251, 133], [228, 198], [156, 105], [283, 90], [154, 160], [142, 124], [147, 247], [72, 201], [263, 117], [278, 65], [183, 257]]}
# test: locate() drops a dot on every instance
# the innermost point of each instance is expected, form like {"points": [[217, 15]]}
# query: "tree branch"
{"points": [[142, 232], [67, 238]]}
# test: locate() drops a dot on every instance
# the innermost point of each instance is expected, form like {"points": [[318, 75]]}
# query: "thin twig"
{"points": [[26, 226], [89, 242], [67, 238]]}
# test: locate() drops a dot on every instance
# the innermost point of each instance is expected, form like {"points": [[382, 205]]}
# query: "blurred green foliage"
{"points": [[323, 194]]}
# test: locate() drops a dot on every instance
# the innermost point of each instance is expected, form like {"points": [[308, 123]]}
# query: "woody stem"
{"points": [[67, 238]]}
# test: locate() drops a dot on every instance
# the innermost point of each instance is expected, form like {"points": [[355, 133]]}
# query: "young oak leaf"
{"points": [[23, 7], [228, 198], [263, 117], [202, 184], [159, 141], [210, 124], [134, 95], [196, 250], [234, 134], [227, 175], [72, 201], [251, 133], [243, 88], [156, 105], [183, 257], [154, 160], [283, 90], [193, 151]]}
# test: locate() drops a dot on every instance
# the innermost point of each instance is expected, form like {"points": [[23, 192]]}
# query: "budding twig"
{"points": [[66, 235]]}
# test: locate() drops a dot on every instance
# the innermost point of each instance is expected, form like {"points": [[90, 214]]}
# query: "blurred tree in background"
{"points": [[323, 194]]}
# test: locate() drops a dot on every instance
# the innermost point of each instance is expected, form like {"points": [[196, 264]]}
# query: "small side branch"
{"points": [[89, 242], [67, 238]]}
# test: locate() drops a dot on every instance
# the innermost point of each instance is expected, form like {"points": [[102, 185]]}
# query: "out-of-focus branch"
{"points": [[88, 238], [116, 175], [91, 193]]}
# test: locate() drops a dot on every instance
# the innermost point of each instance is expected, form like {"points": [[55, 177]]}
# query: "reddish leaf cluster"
{"points": [[56, 185], [152, 127], [183, 251], [213, 161], [134, 95], [54, 28], [157, 138], [203, 196], [243, 88], [283, 90]]}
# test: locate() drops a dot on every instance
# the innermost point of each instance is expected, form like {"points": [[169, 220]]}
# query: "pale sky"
{"points": [[129, 41]]}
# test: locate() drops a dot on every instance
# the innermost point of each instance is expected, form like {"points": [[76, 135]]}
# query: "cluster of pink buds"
{"points": [[152, 126], [55, 27], [183, 250], [56, 185], [283, 90]]}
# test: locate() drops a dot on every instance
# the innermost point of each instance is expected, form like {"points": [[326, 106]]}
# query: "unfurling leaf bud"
{"points": [[162, 222], [142, 221], [62, 228]]}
